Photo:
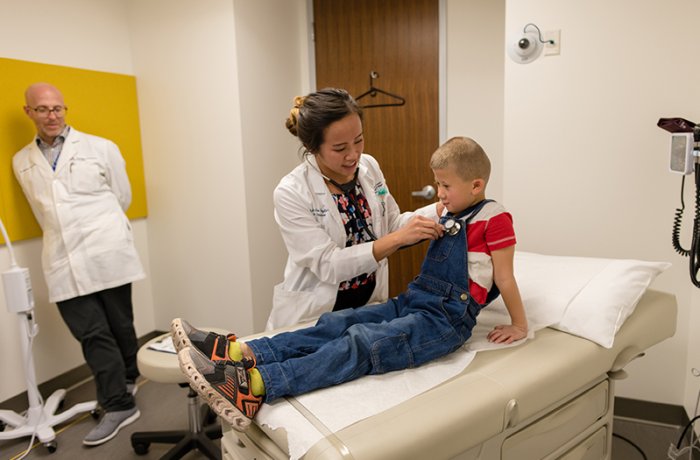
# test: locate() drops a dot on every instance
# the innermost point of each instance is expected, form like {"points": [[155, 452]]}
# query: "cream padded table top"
{"points": [[473, 406], [498, 389], [159, 366]]}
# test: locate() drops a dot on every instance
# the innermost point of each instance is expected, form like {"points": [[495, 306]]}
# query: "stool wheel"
{"points": [[95, 413], [141, 448], [51, 446]]}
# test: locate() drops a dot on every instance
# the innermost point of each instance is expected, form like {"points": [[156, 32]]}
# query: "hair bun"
{"points": [[299, 102], [293, 119], [291, 122]]}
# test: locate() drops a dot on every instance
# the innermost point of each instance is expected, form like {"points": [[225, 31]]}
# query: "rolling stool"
{"points": [[163, 367]]}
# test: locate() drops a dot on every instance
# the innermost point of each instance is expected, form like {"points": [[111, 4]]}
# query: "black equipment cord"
{"points": [[685, 430], [695, 243], [631, 444]]}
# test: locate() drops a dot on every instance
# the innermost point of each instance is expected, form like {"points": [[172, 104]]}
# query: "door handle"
{"points": [[428, 192]]}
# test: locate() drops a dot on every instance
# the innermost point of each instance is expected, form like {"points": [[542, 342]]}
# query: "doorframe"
{"points": [[310, 44], [442, 71], [442, 61]]}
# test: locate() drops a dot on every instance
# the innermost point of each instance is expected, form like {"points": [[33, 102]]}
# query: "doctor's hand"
{"points": [[506, 333], [420, 228], [417, 229]]}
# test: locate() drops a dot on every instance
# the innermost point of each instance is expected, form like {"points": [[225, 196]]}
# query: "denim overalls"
{"points": [[433, 318]]}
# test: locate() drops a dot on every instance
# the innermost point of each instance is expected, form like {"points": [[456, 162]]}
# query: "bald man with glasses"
{"points": [[78, 189]]}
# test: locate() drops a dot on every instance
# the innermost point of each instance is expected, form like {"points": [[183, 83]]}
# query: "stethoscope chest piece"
{"points": [[452, 226]]}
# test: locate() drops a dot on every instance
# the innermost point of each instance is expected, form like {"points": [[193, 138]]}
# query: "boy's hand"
{"points": [[506, 333]]}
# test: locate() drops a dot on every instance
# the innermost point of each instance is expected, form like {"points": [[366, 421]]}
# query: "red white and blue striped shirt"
{"points": [[489, 230]]}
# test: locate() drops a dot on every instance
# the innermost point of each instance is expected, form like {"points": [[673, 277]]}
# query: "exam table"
{"points": [[550, 397]]}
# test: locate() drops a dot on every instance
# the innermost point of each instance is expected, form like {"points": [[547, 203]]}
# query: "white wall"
{"points": [[213, 104], [475, 40], [585, 165], [55, 33], [272, 70], [185, 59]]}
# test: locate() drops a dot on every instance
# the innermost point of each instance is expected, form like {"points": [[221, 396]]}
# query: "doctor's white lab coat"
{"points": [[87, 244], [315, 237]]}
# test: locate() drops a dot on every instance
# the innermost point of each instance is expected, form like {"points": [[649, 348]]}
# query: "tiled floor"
{"points": [[162, 407]]}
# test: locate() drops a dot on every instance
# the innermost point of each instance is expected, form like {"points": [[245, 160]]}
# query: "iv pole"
{"points": [[40, 417]]}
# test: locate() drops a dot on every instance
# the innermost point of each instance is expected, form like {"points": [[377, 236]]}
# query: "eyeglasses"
{"points": [[44, 111]]}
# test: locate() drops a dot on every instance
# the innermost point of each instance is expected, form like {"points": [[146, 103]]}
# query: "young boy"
{"points": [[462, 272]]}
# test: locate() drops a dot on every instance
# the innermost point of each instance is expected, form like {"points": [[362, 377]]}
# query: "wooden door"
{"points": [[398, 40]]}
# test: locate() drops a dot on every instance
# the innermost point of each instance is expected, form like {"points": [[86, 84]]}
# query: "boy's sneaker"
{"points": [[214, 346], [224, 384], [110, 425]]}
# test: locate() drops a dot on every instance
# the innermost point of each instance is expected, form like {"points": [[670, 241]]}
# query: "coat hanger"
{"points": [[372, 91]]}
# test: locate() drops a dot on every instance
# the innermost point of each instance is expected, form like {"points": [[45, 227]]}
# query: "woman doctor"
{"points": [[337, 216]]}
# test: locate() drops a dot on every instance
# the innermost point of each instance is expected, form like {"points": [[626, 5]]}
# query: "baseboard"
{"points": [[67, 379], [650, 412]]}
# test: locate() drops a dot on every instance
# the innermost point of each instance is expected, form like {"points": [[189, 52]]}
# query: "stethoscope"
{"points": [[452, 226], [346, 188]]}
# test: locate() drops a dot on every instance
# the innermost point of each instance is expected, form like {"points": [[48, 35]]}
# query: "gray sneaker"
{"points": [[110, 425], [132, 388]]}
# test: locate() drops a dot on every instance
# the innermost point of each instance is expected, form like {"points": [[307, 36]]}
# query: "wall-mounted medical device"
{"points": [[681, 158], [684, 159], [526, 46]]}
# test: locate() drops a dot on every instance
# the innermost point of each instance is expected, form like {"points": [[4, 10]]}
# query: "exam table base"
{"points": [[577, 428]]}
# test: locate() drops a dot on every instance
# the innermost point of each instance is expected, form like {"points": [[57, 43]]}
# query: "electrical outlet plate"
{"points": [[549, 48]]}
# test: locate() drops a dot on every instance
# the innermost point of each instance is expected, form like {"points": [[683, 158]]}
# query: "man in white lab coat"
{"points": [[78, 189]]}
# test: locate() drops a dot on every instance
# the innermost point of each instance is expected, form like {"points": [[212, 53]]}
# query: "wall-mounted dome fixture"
{"points": [[527, 46]]}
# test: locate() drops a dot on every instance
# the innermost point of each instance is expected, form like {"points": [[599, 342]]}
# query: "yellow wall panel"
{"points": [[99, 103]]}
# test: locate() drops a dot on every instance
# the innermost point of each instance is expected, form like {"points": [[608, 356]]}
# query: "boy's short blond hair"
{"points": [[465, 156]]}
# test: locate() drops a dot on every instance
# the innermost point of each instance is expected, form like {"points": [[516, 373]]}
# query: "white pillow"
{"points": [[549, 283], [598, 311], [585, 296]]}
